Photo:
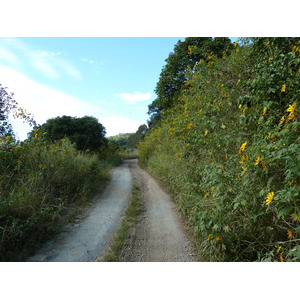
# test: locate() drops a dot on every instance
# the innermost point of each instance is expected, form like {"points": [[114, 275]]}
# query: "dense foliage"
{"points": [[173, 75], [233, 136], [8, 105], [130, 140], [86, 132], [47, 178]]}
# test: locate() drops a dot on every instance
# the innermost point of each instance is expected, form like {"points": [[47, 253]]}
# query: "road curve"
{"points": [[85, 241]]}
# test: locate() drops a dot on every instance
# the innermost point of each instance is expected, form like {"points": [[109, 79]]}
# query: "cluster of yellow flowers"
{"points": [[243, 147], [270, 198], [292, 114]]}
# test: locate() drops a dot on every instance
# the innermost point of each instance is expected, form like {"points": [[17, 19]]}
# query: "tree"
{"points": [[121, 139], [173, 75], [85, 132], [135, 138], [9, 105]]}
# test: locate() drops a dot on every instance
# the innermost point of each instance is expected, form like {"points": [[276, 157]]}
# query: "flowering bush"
{"points": [[233, 139], [41, 187]]}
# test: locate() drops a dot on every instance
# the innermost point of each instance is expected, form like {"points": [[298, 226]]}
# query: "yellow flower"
{"points": [[209, 237], [178, 154], [282, 120], [206, 195], [291, 108], [270, 198], [243, 147], [218, 238], [243, 158], [278, 249], [258, 159], [264, 166], [264, 111], [290, 234], [206, 133], [295, 49], [240, 106], [281, 258], [245, 110], [283, 88]]}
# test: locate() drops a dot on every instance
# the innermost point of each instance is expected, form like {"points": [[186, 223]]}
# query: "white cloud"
{"points": [[142, 108], [94, 62], [101, 102], [69, 69], [49, 63], [8, 56], [41, 65], [116, 125], [133, 98], [43, 102]]}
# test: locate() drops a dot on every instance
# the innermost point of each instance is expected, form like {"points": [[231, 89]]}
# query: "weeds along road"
{"points": [[158, 236], [86, 240]]}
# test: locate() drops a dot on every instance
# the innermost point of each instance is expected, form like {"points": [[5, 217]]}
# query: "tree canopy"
{"points": [[136, 137], [173, 75], [85, 132], [7, 103]]}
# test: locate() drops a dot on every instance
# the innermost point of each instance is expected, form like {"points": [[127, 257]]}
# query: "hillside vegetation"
{"points": [[228, 150], [46, 180]]}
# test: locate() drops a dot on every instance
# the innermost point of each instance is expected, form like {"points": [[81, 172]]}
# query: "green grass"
{"points": [[42, 187], [130, 154], [130, 219]]}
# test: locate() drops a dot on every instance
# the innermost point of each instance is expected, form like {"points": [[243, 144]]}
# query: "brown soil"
{"points": [[159, 235]]}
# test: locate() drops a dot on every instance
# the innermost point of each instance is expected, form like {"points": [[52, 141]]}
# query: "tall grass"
{"points": [[42, 186]]}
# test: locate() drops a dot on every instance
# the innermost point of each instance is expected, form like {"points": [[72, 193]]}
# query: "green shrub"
{"points": [[41, 187], [229, 152]]}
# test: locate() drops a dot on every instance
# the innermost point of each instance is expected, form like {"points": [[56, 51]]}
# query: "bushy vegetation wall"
{"points": [[229, 152], [42, 186]]}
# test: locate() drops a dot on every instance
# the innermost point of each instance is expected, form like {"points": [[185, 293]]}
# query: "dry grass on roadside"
{"points": [[121, 238]]}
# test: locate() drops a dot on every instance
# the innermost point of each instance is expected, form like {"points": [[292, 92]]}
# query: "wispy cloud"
{"points": [[51, 64], [133, 98], [94, 62], [43, 102], [8, 56], [142, 108], [39, 63], [116, 125], [69, 69]]}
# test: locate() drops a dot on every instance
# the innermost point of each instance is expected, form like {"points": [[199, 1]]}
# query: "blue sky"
{"points": [[112, 79]]}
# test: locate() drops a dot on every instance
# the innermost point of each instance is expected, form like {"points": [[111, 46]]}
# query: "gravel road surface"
{"points": [[85, 241], [159, 235]]}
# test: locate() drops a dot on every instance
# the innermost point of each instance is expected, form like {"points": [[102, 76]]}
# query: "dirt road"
{"points": [[86, 240], [158, 236]]}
